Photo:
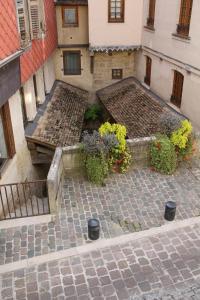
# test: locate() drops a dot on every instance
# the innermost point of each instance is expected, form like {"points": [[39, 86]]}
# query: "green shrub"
{"points": [[163, 155], [93, 112], [97, 169], [119, 131]]}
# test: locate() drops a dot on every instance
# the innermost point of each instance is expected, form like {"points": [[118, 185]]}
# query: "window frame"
{"points": [[177, 84], [116, 20], [151, 14], [8, 132], [115, 77], [76, 24], [66, 52], [183, 26]]}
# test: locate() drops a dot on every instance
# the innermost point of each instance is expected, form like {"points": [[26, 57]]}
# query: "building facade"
{"points": [[97, 41], [28, 38], [169, 62], [101, 42]]}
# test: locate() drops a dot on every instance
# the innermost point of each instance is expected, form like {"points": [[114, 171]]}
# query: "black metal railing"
{"points": [[26, 199]]}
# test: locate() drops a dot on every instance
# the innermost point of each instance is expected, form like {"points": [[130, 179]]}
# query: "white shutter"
{"points": [[21, 18], [34, 18]]}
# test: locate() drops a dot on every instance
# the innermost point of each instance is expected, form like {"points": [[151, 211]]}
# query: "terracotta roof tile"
{"points": [[132, 105], [62, 122]]}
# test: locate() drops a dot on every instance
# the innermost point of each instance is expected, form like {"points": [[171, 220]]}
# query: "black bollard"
{"points": [[170, 211], [93, 229]]}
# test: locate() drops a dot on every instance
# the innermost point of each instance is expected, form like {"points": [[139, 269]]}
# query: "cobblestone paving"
{"points": [[161, 267], [128, 203]]}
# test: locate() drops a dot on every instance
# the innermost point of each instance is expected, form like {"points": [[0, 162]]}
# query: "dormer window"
{"points": [[116, 11]]}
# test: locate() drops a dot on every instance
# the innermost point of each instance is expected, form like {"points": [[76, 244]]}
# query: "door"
{"points": [[177, 91]]}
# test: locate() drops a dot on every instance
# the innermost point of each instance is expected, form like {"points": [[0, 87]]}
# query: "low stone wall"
{"points": [[71, 156], [140, 149], [54, 180]]}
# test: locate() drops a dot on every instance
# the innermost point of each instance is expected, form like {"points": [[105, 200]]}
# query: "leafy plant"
{"points": [[97, 169], [163, 155], [119, 131], [96, 151], [93, 112], [94, 144], [169, 123], [180, 137]]}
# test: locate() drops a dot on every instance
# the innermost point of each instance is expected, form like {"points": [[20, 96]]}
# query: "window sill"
{"points": [[149, 28], [115, 21], [181, 38]]}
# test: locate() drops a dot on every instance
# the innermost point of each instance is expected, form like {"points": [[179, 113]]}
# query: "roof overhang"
{"points": [[110, 49]]}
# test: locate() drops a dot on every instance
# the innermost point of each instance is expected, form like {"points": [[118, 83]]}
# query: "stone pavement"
{"points": [[128, 203], [163, 266]]}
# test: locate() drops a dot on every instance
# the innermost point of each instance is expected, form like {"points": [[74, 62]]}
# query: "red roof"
{"points": [[9, 37]]}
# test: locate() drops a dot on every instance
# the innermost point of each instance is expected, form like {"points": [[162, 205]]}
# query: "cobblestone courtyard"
{"points": [[128, 203]]}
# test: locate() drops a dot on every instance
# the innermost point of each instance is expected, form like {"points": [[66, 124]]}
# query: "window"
{"points": [[23, 22], [72, 62], [177, 91], [117, 73], [31, 20], [147, 78], [151, 17], [116, 11], [70, 16], [7, 145], [185, 16]]}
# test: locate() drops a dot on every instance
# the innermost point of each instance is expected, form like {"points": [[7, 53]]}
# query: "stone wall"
{"points": [[140, 149], [104, 63]]}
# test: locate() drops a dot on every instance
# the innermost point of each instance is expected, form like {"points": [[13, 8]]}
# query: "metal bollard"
{"points": [[170, 211], [93, 229]]}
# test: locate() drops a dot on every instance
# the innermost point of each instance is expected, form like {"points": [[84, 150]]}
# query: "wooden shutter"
{"points": [[21, 19], [34, 18], [152, 6], [147, 78], [185, 17], [176, 97]]}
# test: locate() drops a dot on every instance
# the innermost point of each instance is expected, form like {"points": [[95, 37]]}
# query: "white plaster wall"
{"points": [[162, 76], [19, 168], [102, 33], [30, 100], [166, 20], [40, 86], [49, 74]]}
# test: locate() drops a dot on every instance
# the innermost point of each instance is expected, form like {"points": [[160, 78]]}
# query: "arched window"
{"points": [[183, 27], [151, 17], [147, 78], [177, 91]]}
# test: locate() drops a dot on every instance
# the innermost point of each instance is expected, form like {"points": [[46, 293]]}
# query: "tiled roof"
{"points": [[62, 122], [72, 2], [134, 106]]}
